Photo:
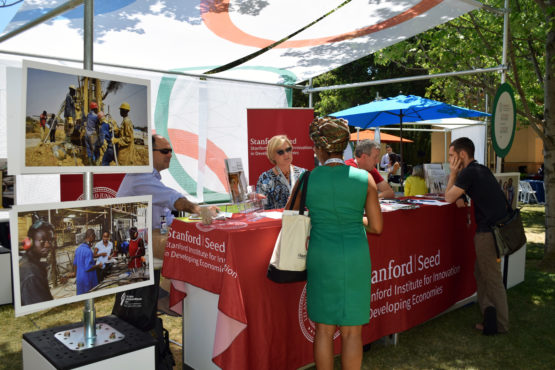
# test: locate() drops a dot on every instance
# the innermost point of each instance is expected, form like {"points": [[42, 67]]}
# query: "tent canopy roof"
{"points": [[307, 38]]}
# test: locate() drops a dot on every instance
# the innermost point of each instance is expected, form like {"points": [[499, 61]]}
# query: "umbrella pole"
{"points": [[401, 143]]}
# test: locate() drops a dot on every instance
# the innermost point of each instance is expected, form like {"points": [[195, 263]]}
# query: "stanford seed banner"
{"points": [[263, 124]]}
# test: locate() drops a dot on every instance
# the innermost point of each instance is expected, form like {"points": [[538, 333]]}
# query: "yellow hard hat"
{"points": [[69, 119], [125, 105], [72, 87]]}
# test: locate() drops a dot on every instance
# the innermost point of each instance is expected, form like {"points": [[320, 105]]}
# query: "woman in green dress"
{"points": [[338, 259]]}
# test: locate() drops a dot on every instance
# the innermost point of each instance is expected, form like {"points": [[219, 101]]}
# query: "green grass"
{"points": [[446, 342]]}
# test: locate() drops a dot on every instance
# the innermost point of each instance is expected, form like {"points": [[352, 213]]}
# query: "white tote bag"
{"points": [[288, 262]]}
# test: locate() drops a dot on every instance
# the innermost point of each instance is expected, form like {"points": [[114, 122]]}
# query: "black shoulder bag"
{"points": [[509, 233]]}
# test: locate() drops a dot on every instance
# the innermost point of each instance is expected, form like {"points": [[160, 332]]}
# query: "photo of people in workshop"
{"points": [[76, 119], [69, 254]]}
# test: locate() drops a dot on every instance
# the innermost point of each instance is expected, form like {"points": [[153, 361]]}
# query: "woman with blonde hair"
{"points": [[277, 182], [416, 184], [338, 258]]}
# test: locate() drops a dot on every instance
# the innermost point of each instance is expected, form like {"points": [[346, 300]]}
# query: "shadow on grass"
{"points": [[533, 216], [9, 359], [534, 251]]}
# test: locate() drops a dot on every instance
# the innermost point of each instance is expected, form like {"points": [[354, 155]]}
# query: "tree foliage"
{"points": [[475, 40], [472, 41], [363, 70]]}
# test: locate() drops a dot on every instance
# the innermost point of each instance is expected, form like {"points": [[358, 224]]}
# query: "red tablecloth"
{"points": [[422, 264]]}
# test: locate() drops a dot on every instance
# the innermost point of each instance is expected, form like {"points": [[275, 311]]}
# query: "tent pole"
{"points": [[486, 136], [405, 79], [310, 94], [88, 23], [89, 312], [498, 167], [444, 145]]}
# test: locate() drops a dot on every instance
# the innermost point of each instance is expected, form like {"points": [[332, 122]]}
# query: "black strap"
{"points": [[303, 183]]}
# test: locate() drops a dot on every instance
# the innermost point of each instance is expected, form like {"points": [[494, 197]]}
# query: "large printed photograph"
{"points": [[72, 251], [509, 182], [85, 121]]}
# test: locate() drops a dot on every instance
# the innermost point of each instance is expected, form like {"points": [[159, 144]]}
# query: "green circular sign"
{"points": [[503, 125]]}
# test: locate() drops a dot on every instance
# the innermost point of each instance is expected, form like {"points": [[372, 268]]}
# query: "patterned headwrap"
{"points": [[330, 133]]}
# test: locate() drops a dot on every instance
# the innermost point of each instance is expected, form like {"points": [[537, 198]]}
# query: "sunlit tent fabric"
{"points": [[198, 36]]}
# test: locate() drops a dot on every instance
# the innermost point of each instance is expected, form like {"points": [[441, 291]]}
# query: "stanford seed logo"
{"points": [[307, 326], [101, 192]]}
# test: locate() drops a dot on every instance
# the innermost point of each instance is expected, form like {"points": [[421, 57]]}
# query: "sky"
{"points": [[7, 13], [46, 90]]}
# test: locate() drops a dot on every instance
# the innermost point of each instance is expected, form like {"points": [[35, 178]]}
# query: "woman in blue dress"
{"points": [[277, 182]]}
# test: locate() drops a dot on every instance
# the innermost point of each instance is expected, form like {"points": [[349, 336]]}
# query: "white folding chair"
{"points": [[530, 193], [522, 195]]}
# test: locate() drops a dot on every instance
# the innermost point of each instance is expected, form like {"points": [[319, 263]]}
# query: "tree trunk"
{"points": [[549, 142]]}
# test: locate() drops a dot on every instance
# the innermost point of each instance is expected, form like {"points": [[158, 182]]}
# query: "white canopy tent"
{"points": [[307, 38], [169, 42]]}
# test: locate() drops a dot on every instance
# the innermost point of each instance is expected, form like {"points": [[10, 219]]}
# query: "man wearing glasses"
{"points": [[164, 201], [164, 198], [367, 154]]}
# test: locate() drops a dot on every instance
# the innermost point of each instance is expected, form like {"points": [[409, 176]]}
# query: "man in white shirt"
{"points": [[384, 163], [102, 252]]}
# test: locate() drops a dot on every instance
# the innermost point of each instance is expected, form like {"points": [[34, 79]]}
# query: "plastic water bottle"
{"points": [[163, 225]]}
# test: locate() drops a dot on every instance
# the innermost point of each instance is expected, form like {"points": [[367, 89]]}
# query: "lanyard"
{"points": [[284, 180], [334, 160]]}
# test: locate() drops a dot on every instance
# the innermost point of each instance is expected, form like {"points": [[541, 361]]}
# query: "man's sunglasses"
{"points": [[163, 151], [282, 152]]}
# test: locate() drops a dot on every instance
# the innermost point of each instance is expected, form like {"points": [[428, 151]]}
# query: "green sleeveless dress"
{"points": [[338, 259]]}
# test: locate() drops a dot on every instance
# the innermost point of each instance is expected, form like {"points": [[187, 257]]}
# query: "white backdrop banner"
{"points": [[205, 122]]}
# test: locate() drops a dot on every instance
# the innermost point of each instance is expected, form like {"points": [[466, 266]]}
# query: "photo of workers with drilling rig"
{"points": [[85, 119]]}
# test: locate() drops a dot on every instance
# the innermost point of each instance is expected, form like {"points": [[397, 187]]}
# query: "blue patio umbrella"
{"points": [[402, 108]]}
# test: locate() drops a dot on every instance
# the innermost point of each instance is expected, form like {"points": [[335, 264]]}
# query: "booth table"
{"points": [[422, 264]]}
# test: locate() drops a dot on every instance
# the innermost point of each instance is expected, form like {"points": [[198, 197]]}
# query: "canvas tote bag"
{"points": [[288, 262]]}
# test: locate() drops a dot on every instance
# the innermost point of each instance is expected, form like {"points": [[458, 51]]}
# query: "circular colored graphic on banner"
{"points": [[503, 125], [204, 228], [215, 15], [307, 326]]}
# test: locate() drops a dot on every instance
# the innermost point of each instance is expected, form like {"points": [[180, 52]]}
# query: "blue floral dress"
{"points": [[276, 188]]}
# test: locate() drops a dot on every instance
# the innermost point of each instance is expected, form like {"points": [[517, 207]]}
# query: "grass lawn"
{"points": [[446, 342]]}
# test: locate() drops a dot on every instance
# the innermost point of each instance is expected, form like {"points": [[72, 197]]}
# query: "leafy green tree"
{"points": [[362, 70], [475, 40]]}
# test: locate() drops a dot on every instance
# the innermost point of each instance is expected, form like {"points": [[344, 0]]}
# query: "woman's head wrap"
{"points": [[330, 133]]}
